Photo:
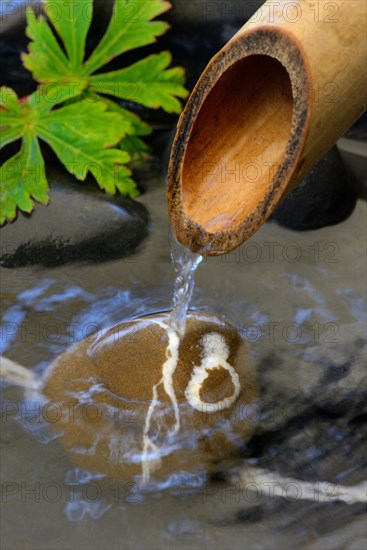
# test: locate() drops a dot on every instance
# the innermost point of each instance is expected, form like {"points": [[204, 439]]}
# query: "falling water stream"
{"points": [[185, 263]]}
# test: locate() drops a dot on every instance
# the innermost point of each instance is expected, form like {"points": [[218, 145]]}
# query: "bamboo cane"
{"points": [[268, 106]]}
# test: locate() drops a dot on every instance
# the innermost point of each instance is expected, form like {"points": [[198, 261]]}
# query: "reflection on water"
{"points": [[304, 323]]}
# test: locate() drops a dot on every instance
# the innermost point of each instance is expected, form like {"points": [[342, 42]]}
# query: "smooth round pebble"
{"points": [[139, 401]]}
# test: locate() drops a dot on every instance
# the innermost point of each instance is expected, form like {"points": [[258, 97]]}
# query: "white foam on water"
{"points": [[14, 373], [92, 449], [148, 463], [168, 370], [79, 508], [295, 489], [77, 476], [151, 457], [214, 356]]}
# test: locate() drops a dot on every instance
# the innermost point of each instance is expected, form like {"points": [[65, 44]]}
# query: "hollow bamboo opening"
{"points": [[237, 143]]}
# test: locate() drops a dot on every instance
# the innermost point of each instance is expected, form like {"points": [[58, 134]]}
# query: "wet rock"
{"points": [[312, 416], [327, 377], [80, 224], [13, 74], [359, 129], [216, 10], [200, 11], [344, 386], [313, 446], [326, 196], [145, 403]]}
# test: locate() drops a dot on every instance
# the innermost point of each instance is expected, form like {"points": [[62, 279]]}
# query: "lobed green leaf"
{"points": [[9, 100], [22, 179], [72, 20], [10, 134], [11, 126], [46, 60], [136, 148], [84, 123], [136, 126], [49, 95], [131, 143], [112, 175], [80, 135], [130, 27], [86, 127], [147, 82]]}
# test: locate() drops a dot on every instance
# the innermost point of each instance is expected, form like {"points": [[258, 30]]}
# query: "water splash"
{"points": [[185, 263], [79, 508]]}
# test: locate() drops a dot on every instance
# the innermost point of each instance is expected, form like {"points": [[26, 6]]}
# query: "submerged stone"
{"points": [[80, 224], [140, 402]]}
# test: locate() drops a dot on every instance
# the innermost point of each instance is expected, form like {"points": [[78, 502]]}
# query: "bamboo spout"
{"points": [[266, 109]]}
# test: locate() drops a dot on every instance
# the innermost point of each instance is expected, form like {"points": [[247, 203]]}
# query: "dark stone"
{"points": [[334, 373], [13, 74], [80, 224], [359, 129], [344, 387], [251, 515], [326, 196], [312, 446], [340, 402]]}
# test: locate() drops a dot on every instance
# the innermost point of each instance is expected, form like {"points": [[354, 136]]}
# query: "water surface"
{"points": [[298, 298]]}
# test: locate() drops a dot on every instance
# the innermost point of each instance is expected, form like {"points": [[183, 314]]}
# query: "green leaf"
{"points": [[147, 82], [10, 134], [71, 21], [9, 99], [112, 175], [49, 95], [46, 60], [136, 148], [80, 134], [88, 131], [10, 117], [137, 126], [22, 178], [131, 143], [84, 123], [130, 27]]}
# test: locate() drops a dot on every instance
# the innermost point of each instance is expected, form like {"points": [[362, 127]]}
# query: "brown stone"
{"points": [[105, 389]]}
